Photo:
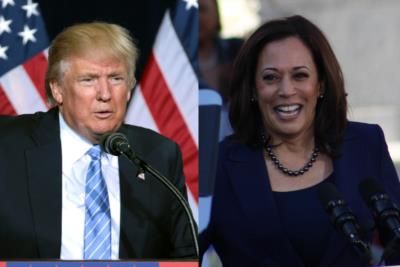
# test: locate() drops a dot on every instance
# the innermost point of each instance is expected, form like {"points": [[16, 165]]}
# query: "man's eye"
{"points": [[117, 79], [87, 80]]}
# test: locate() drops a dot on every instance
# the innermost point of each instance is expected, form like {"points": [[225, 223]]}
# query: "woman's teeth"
{"points": [[288, 108]]}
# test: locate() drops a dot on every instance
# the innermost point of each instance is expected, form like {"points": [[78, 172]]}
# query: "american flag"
{"points": [[23, 60], [166, 99]]}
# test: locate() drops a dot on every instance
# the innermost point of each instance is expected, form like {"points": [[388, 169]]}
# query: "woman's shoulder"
{"points": [[362, 130], [356, 125], [230, 147]]}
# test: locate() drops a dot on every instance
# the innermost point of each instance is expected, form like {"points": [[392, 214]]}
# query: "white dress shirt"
{"points": [[75, 163]]}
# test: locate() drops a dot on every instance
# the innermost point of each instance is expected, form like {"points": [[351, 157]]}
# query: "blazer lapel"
{"points": [[256, 203], [135, 204], [44, 180]]}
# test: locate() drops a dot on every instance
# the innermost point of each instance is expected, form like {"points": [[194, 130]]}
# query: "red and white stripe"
{"points": [[166, 101], [22, 88]]}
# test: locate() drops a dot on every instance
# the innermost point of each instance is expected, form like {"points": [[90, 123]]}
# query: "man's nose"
{"points": [[104, 90]]}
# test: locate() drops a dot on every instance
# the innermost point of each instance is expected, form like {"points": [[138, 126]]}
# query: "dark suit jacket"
{"points": [[153, 225], [245, 226]]}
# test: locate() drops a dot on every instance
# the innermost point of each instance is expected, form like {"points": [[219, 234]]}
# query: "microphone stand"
{"points": [[127, 152], [393, 247]]}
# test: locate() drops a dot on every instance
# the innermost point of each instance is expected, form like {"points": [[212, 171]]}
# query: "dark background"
{"points": [[140, 17]]}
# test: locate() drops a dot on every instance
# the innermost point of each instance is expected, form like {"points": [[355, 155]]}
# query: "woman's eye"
{"points": [[269, 77], [301, 76]]}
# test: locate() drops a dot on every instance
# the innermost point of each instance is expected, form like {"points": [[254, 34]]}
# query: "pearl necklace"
{"points": [[286, 171]]}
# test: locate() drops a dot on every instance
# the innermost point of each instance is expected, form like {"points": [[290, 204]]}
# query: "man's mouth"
{"points": [[104, 114]]}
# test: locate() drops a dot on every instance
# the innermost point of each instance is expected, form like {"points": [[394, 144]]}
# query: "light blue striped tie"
{"points": [[97, 211]]}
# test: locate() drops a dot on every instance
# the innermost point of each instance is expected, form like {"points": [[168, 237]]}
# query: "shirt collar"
{"points": [[75, 146], [72, 144]]}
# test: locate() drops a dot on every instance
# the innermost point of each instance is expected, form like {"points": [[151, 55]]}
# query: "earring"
{"points": [[253, 98], [321, 91]]}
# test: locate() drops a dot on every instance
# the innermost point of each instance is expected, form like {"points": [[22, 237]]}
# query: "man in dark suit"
{"points": [[45, 164]]}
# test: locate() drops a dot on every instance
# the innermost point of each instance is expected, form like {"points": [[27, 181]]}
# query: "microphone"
{"points": [[385, 213], [343, 219], [117, 144]]}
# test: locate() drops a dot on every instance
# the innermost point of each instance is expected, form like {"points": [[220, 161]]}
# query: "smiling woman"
{"points": [[287, 88], [291, 136]]}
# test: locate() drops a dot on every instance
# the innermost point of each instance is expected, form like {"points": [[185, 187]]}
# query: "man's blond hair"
{"points": [[106, 38]]}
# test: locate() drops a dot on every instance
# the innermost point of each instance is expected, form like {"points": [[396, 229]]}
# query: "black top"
{"points": [[305, 222]]}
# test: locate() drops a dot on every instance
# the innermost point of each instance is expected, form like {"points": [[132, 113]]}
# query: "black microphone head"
{"points": [[370, 187], [328, 193], [334, 204], [110, 143], [343, 218], [379, 201]]}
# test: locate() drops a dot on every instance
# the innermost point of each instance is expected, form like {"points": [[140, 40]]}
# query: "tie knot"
{"points": [[94, 152]]}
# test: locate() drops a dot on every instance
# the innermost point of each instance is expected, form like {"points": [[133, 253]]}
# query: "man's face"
{"points": [[93, 94]]}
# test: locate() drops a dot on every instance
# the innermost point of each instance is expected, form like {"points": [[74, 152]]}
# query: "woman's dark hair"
{"points": [[331, 110]]}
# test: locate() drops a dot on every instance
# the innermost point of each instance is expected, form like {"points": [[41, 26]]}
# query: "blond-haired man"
{"points": [[45, 163]]}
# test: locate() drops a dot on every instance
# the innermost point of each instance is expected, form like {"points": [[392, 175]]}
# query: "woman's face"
{"points": [[287, 88]]}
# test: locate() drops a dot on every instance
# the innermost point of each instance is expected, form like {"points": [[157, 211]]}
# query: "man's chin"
{"points": [[99, 134]]}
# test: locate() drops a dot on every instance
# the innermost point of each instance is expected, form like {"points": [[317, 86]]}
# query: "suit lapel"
{"points": [[44, 184], [135, 204], [251, 185]]}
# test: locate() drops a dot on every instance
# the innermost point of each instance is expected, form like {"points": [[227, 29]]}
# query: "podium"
{"points": [[99, 264]]}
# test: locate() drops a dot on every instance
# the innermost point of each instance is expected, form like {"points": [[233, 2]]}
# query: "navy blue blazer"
{"points": [[245, 226]]}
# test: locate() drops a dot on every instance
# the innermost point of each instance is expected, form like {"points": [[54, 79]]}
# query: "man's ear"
{"points": [[130, 89], [56, 91]]}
